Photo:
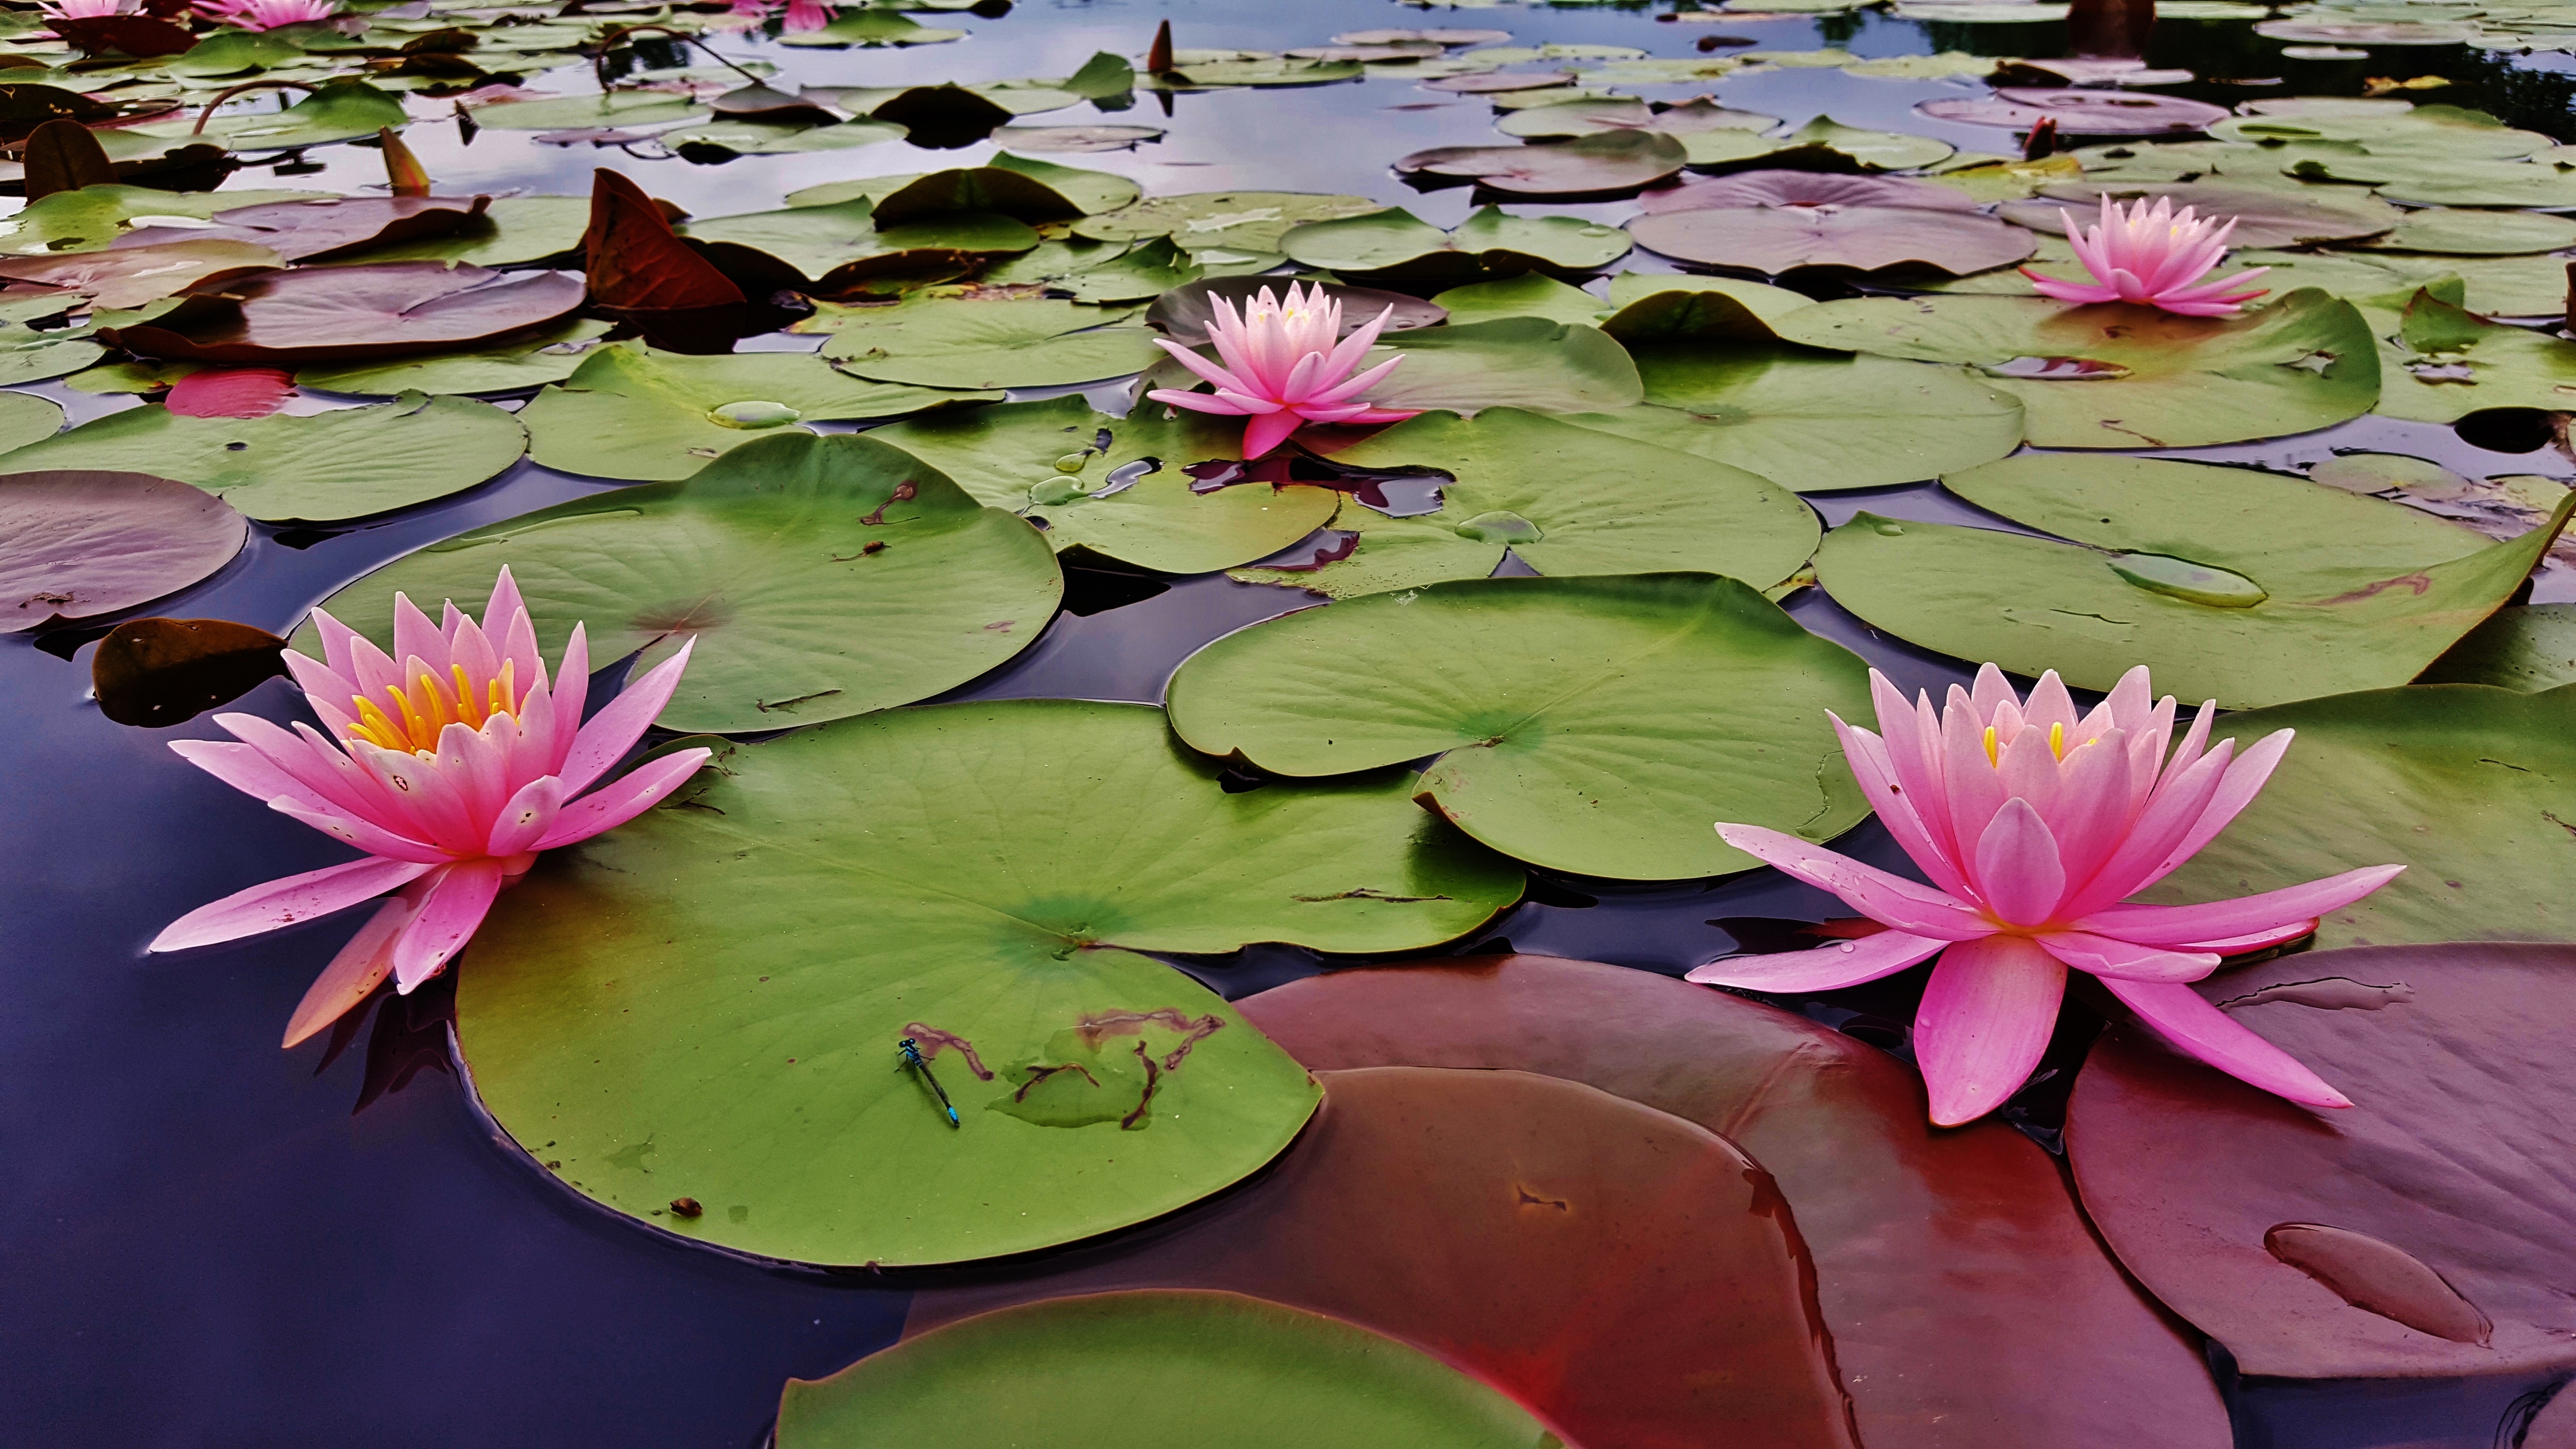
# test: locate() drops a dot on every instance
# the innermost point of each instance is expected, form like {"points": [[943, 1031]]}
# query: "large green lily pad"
{"points": [[529, 361], [706, 1003], [2528, 647], [2119, 376], [1816, 421], [628, 411], [1396, 243], [91, 217], [1249, 221], [1008, 185], [764, 558], [615, 110], [1198, 1367], [953, 343], [2441, 362], [1564, 500], [1590, 725], [2247, 587], [1043, 460], [1521, 362], [321, 468], [827, 248], [2469, 785]]}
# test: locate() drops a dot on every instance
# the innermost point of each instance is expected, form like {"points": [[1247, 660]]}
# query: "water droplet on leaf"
{"points": [[752, 413], [1048, 492], [1500, 528], [1072, 462], [2182, 579]]}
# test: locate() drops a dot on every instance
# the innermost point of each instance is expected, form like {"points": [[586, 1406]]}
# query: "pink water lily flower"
{"points": [[267, 14], [806, 16], [1282, 367], [2035, 826], [89, 9], [452, 770], [2154, 257]]}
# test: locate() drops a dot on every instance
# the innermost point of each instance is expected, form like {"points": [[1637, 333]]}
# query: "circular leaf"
{"points": [[1776, 239], [961, 344], [322, 468], [78, 543], [977, 877], [764, 557], [1627, 715], [828, 249], [1215, 1368], [530, 361], [333, 314], [2416, 1234], [1526, 362], [1247, 221], [1612, 161], [2080, 112], [1396, 243], [2365, 32], [2439, 229], [26, 418], [2264, 218], [1589, 1255]]}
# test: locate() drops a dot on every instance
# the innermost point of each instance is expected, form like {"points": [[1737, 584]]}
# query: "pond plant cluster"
{"points": [[2279, 806]]}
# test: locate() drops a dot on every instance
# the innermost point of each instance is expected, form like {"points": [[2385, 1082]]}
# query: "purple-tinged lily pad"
{"points": [[1784, 237], [128, 277], [1610, 161], [2424, 1232], [318, 230], [77, 544], [1804, 189], [333, 314], [2079, 112]]}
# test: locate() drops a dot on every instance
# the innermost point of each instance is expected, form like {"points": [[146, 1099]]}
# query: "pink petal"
{"points": [[2241, 916], [2180, 1015], [1352, 387], [1986, 1018], [2244, 780], [571, 692], [1827, 968], [283, 902], [1974, 790], [448, 915], [354, 974], [1268, 431], [2103, 956], [1207, 371], [1872, 768], [614, 804], [622, 721], [2091, 812], [418, 643], [317, 678], [1197, 402], [365, 834], [1888, 899], [433, 810], [526, 817], [2079, 292], [246, 770], [2155, 832], [2018, 873]]}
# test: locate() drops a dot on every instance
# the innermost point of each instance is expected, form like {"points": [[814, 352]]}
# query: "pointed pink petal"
{"points": [[614, 804], [1827, 968], [417, 642], [1975, 791], [2180, 1015], [432, 810], [2091, 812], [1985, 1019], [1268, 431], [1890, 900], [1872, 768], [448, 915], [1353, 386], [2244, 780], [2241, 916], [619, 724], [2153, 835], [2018, 873], [2103, 956], [354, 974], [335, 644], [246, 770], [1207, 371], [365, 834], [317, 678], [2049, 704], [571, 691], [1197, 402], [279, 903], [2079, 292], [526, 817]]}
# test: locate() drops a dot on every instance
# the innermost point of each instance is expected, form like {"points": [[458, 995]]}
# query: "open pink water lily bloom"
{"points": [[451, 769], [2035, 825], [267, 14], [2153, 256], [1282, 367], [89, 9]]}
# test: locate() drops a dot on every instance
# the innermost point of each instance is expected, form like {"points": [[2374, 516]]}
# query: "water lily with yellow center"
{"points": [[452, 770], [2035, 826], [2154, 257], [1283, 368]]}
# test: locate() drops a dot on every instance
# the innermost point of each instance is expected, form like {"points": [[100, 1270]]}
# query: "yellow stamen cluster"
{"points": [[2056, 744], [429, 706]]}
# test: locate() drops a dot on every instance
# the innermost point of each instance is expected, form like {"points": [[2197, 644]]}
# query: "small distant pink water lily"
{"points": [[2153, 256], [89, 9], [267, 14], [1282, 367], [452, 770], [2035, 825]]}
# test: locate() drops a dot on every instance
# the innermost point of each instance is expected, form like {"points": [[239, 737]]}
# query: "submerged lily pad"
{"points": [[1954, 1273], [2413, 1235], [1627, 713], [2465, 784], [953, 343], [322, 468], [2527, 647], [1129, 500], [1397, 244], [1251, 221], [1217, 1369], [977, 877], [79, 542], [2118, 376], [763, 558], [2247, 587], [1563, 500], [1610, 161], [1578, 1250], [628, 411]]}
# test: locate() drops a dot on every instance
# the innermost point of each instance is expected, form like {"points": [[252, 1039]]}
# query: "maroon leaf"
{"points": [[2424, 1232], [159, 672], [328, 314], [1628, 1276], [2080, 112], [64, 156], [1965, 1295], [139, 36], [79, 543], [231, 392], [132, 276], [1609, 161], [642, 273], [315, 231]]}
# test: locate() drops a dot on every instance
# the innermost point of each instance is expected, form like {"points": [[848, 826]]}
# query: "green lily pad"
{"points": [[628, 411], [2004, 178], [323, 468], [1824, 139], [1016, 456], [1031, 342], [615, 110], [829, 249], [31, 356], [2442, 362], [977, 877], [723, 139], [338, 110], [2119, 376], [1250, 221], [2246, 587], [92, 217], [1624, 715], [530, 361], [763, 558], [1687, 122], [1266, 71], [26, 418], [1816, 422], [2528, 648], [2489, 233], [1518, 362], [1531, 294], [1013, 186], [513, 231], [2470, 786], [1565, 501], [1218, 1368], [872, 26], [1048, 261], [1395, 243], [234, 52], [1609, 161], [2265, 217]]}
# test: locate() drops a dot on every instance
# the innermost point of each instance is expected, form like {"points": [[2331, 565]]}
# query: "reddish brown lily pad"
{"points": [[1609, 161], [76, 544], [330, 314], [2080, 112], [318, 230], [159, 672], [1626, 1274], [1970, 1306], [2425, 1231], [140, 36], [1183, 312], [639, 271], [132, 276]]}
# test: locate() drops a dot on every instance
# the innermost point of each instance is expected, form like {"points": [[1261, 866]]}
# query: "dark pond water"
{"points": [[213, 1243]]}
